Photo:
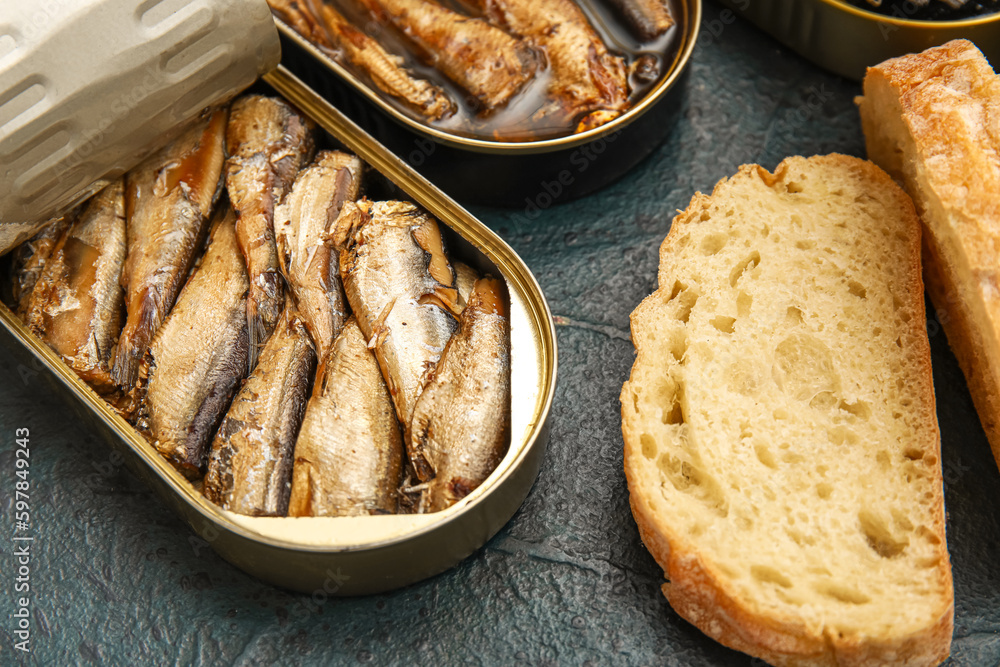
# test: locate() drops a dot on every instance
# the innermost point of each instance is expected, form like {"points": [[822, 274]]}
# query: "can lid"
{"points": [[90, 87]]}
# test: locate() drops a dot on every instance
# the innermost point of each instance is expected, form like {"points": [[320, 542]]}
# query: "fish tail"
{"points": [[264, 305], [132, 344]]}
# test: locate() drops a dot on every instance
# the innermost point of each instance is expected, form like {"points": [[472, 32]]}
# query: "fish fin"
{"points": [[445, 298], [264, 306]]}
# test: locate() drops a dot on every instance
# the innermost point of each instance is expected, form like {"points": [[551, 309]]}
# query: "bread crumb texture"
{"points": [[781, 442]]}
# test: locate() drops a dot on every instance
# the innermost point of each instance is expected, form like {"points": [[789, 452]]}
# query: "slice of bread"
{"points": [[932, 120], [781, 442]]}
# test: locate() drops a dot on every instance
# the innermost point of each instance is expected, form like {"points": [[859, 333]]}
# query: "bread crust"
{"points": [[932, 120], [695, 588]]}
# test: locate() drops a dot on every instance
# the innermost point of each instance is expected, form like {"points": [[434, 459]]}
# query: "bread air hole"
{"points": [[648, 446], [723, 323], [841, 435], [824, 490], [668, 398], [859, 409], [857, 289], [713, 243], [689, 480], [803, 367], [793, 316], [769, 575], [748, 264], [879, 538], [676, 342], [684, 299], [793, 188], [765, 456]]}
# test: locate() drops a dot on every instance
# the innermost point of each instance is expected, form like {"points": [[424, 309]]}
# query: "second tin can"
{"points": [[531, 175]]}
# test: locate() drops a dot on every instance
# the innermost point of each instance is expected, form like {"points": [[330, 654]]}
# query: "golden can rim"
{"points": [[689, 34], [918, 24]]}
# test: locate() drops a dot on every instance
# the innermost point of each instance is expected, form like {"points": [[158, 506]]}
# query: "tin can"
{"points": [[369, 554], [527, 174], [846, 40]]}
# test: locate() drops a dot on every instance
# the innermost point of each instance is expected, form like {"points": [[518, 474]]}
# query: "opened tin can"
{"points": [[846, 39], [526, 174], [366, 554]]}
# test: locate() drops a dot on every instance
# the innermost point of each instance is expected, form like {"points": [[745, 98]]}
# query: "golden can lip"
{"points": [[688, 23], [846, 39], [354, 555]]}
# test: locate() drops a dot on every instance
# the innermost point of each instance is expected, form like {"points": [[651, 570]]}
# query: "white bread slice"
{"points": [[781, 442], [932, 120]]}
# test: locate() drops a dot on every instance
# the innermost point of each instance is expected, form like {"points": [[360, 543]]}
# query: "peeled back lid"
{"points": [[90, 87]]}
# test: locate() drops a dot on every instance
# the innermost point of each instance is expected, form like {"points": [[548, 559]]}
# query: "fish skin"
{"points": [[268, 143], [401, 288], [648, 18], [28, 259], [169, 200], [484, 60], [301, 225], [250, 465], [461, 423], [585, 77], [198, 356], [349, 453], [77, 304], [385, 69]]}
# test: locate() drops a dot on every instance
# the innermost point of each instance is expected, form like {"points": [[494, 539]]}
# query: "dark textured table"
{"points": [[118, 579]]}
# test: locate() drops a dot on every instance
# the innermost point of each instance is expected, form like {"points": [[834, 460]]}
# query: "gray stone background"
{"points": [[115, 579]]}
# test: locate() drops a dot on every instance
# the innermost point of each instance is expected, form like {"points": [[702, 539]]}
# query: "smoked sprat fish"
{"points": [[250, 465], [461, 422], [588, 83], [648, 18], [484, 60], [301, 224], [198, 356], [385, 69], [168, 203], [327, 28], [28, 259], [77, 303], [401, 288], [349, 455], [268, 143]]}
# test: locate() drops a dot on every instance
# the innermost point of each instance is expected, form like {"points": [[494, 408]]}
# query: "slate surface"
{"points": [[115, 579]]}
